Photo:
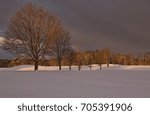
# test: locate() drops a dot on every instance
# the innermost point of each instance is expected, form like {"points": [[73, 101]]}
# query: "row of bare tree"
{"points": [[104, 56], [90, 59]]}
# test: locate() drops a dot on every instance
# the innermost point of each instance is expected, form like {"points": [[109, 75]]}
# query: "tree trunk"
{"points": [[79, 67], [59, 63], [70, 67], [90, 67], [107, 63], [36, 64], [100, 66]]}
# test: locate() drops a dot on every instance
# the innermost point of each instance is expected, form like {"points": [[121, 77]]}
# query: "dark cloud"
{"points": [[122, 25]]}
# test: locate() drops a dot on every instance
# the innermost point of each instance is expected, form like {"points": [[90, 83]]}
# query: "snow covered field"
{"points": [[115, 81]]}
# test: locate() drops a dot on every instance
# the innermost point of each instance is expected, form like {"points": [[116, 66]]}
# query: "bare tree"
{"points": [[90, 60], [128, 60], [61, 44], [106, 56], [98, 58], [79, 60], [70, 57], [29, 33], [147, 58]]}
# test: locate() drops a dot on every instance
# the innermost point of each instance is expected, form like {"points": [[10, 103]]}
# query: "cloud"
{"points": [[122, 25]]}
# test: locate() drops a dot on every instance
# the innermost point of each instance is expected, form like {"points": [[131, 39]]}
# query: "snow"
{"points": [[75, 68], [116, 81]]}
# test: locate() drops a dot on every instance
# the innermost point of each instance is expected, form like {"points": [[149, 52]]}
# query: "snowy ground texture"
{"points": [[115, 81]]}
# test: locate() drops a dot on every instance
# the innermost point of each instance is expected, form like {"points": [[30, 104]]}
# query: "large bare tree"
{"points": [[61, 44], [30, 32]]}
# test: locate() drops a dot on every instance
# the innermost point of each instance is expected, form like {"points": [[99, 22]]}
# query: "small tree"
{"points": [[87, 58], [147, 58], [61, 44], [90, 59], [106, 54], [98, 58], [29, 33], [70, 57], [79, 60]]}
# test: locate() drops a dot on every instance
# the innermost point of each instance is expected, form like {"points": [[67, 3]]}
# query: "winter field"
{"points": [[115, 81]]}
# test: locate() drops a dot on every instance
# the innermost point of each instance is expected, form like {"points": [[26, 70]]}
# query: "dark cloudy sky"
{"points": [[121, 25]]}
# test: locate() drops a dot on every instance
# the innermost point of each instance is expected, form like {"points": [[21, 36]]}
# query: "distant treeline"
{"points": [[79, 58], [4, 62]]}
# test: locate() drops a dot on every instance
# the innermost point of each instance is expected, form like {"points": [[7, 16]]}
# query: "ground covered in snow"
{"points": [[115, 81]]}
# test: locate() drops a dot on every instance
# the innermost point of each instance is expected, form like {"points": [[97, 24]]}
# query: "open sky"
{"points": [[121, 25]]}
